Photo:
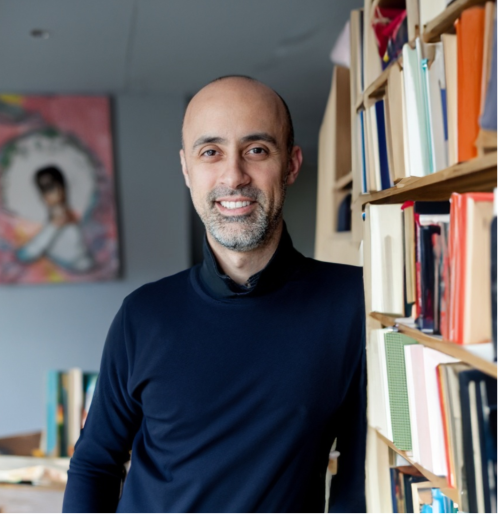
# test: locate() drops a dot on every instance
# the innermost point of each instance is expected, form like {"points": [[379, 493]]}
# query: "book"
{"points": [[493, 275], [470, 306], [431, 359], [68, 399], [395, 344], [451, 79], [435, 95], [430, 9], [478, 399], [379, 414], [487, 138], [395, 116], [386, 256], [470, 45], [385, 176], [415, 111], [409, 256]]}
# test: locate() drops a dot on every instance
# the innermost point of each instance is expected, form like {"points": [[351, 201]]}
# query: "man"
{"points": [[230, 381]]}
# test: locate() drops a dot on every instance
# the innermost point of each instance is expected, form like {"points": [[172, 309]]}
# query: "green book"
{"points": [[398, 392]]}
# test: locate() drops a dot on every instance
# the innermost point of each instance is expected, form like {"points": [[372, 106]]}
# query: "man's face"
{"points": [[236, 163]]}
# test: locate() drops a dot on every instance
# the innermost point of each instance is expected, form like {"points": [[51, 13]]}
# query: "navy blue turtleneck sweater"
{"points": [[230, 396]]}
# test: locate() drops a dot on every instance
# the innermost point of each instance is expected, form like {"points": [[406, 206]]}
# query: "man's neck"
{"points": [[240, 266]]}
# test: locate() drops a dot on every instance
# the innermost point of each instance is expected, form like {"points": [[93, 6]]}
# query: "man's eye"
{"points": [[209, 153], [257, 150]]}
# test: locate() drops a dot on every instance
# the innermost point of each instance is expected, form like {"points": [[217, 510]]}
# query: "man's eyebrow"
{"points": [[203, 140], [260, 136]]}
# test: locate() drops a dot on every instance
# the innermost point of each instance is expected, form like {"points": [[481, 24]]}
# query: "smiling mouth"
{"points": [[234, 205]]}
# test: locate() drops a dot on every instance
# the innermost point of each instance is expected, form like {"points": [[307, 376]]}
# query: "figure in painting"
{"points": [[61, 239]]}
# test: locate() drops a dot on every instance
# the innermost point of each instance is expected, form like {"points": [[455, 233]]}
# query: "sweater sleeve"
{"points": [[96, 469], [347, 493]]}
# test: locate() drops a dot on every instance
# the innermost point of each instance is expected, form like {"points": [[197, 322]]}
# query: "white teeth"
{"points": [[234, 205]]}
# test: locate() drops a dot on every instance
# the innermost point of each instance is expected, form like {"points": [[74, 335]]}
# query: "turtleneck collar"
{"points": [[279, 267]]}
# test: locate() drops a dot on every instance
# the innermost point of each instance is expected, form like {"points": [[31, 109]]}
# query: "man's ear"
{"points": [[294, 164], [184, 167]]}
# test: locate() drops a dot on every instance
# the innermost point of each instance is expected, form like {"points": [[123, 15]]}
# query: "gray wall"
{"points": [[300, 209], [63, 326]]}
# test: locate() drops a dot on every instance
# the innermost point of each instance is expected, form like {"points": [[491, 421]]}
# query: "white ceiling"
{"points": [[174, 47]]}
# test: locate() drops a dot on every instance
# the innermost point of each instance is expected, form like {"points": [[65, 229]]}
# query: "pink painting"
{"points": [[57, 202]]}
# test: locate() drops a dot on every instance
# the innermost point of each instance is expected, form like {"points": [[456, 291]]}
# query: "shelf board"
{"points": [[436, 481], [342, 182], [444, 22], [377, 88], [479, 174], [447, 347]]}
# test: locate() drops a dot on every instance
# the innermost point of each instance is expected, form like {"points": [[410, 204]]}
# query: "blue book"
{"points": [[363, 156], [488, 119], [51, 412], [385, 177]]}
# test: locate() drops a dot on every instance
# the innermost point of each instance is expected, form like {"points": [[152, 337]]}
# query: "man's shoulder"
{"points": [[159, 291], [332, 270]]}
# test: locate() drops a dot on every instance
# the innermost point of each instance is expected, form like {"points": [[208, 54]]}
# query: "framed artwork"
{"points": [[58, 219]]}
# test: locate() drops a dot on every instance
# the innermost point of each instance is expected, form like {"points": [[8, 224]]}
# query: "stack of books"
{"points": [[411, 492], [68, 398], [436, 103], [437, 265], [441, 412]]}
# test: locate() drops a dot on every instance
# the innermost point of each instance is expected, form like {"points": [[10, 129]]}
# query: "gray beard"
{"points": [[243, 233]]}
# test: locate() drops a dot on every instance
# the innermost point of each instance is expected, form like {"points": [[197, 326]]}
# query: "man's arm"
{"points": [[348, 486], [96, 469]]}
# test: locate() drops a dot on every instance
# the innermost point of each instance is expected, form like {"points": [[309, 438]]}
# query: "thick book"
{"points": [[395, 343], [453, 420], [385, 176], [470, 286], [420, 423], [478, 398], [432, 359], [379, 414], [470, 44], [395, 105], [386, 259], [416, 112]]}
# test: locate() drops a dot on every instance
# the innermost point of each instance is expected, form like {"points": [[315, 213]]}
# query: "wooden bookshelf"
{"points": [[439, 482], [444, 22], [454, 350], [479, 174]]}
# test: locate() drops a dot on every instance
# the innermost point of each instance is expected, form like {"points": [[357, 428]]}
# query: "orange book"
{"points": [[469, 316], [470, 46]]}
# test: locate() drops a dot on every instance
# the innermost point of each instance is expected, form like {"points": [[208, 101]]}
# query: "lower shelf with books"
{"points": [[467, 354], [439, 482], [438, 412]]}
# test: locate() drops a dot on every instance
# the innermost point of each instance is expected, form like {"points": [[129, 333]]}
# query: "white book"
{"points": [[387, 258], [415, 111], [379, 414], [419, 416], [75, 406], [437, 445], [436, 91], [412, 404], [429, 9]]}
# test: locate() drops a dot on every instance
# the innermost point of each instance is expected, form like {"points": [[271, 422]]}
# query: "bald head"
{"points": [[242, 88]]}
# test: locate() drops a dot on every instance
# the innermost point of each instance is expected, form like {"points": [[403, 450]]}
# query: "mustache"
{"points": [[251, 192]]}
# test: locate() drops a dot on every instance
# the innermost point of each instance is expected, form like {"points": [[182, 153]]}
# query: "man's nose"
{"points": [[234, 174]]}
